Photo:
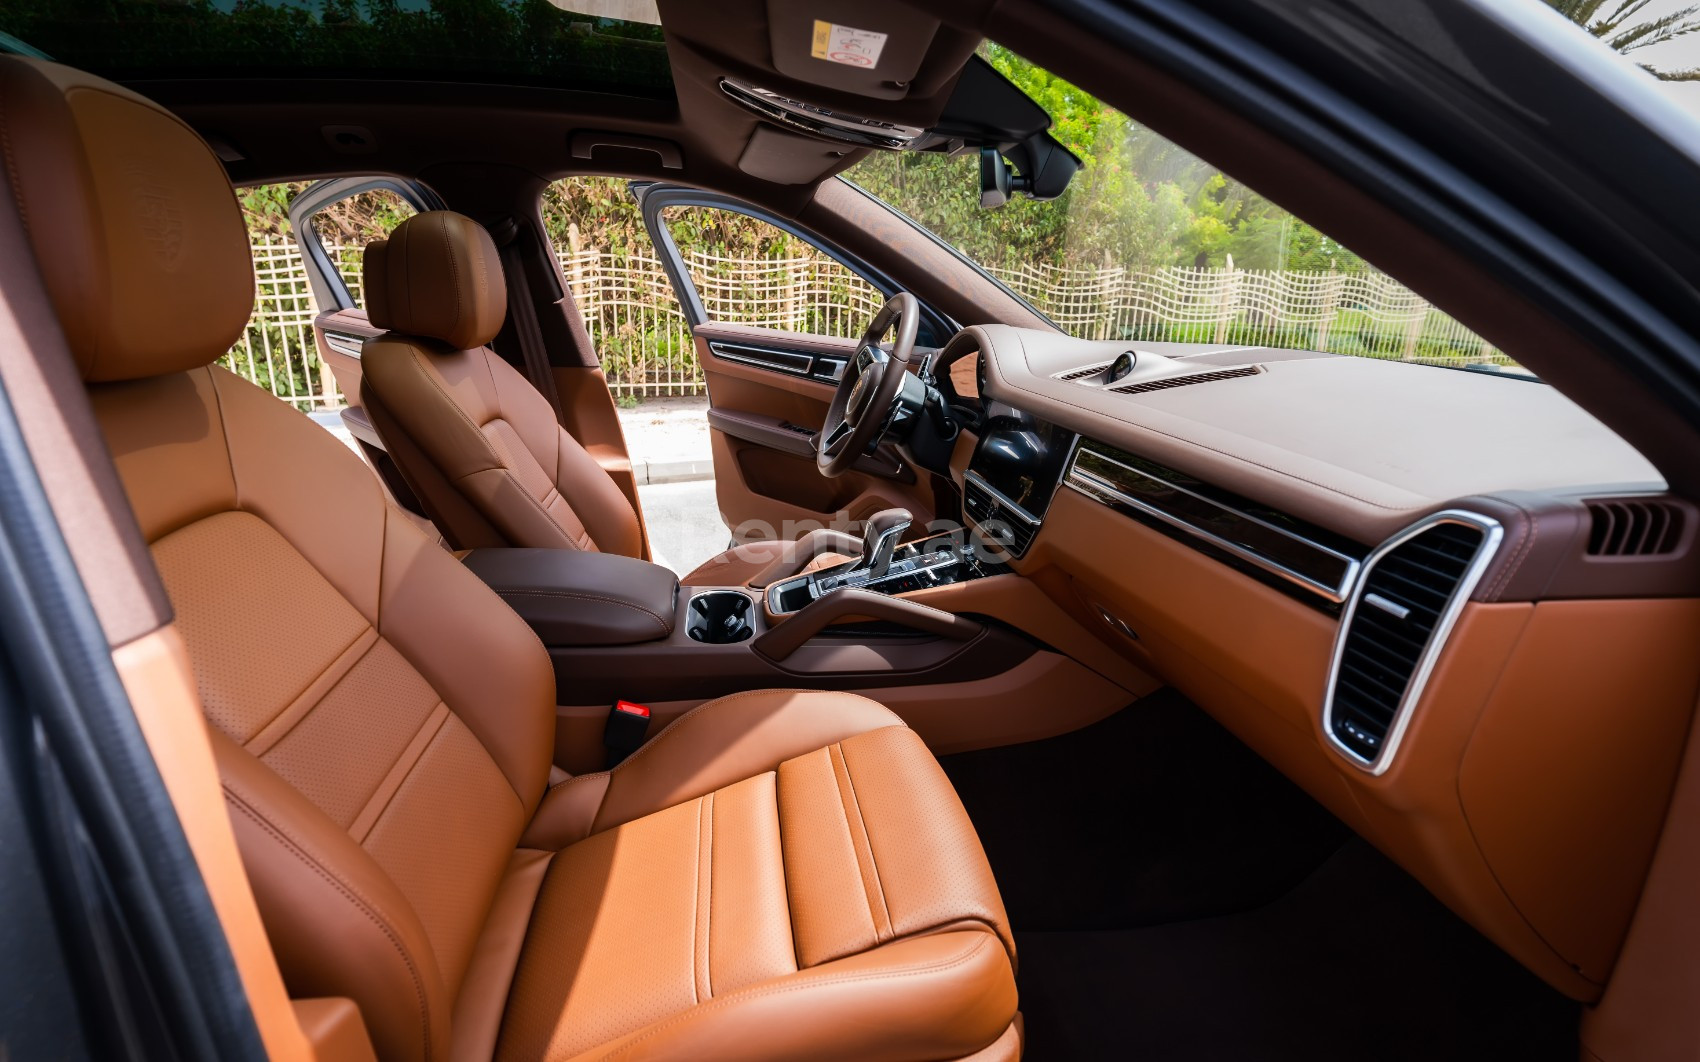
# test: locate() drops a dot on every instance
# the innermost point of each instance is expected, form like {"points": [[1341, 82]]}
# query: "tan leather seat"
{"points": [[777, 875], [479, 445]]}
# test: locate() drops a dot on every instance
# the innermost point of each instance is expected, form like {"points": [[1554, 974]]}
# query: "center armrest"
{"points": [[576, 597]]}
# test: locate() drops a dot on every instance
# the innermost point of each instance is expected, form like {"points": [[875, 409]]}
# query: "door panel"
{"points": [[768, 395], [769, 388], [339, 335]]}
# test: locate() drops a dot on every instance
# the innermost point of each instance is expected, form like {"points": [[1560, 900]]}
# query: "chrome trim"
{"points": [[815, 581], [1392, 608], [1101, 490], [820, 121], [762, 357], [349, 345], [1002, 498], [1492, 535]]}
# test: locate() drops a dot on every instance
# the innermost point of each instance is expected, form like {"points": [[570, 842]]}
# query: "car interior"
{"points": [[1159, 702]]}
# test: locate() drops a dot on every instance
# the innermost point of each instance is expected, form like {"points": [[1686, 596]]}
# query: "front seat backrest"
{"points": [[382, 722], [479, 445]]}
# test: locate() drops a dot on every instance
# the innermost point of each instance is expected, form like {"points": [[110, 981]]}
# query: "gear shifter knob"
{"points": [[879, 541]]}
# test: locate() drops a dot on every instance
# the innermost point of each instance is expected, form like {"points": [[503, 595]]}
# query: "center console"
{"points": [[936, 561], [623, 629], [1007, 490], [1012, 477]]}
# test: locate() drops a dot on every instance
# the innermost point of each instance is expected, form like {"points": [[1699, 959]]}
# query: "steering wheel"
{"points": [[870, 384]]}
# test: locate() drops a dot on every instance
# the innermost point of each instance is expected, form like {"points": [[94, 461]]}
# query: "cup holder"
{"points": [[720, 617]]}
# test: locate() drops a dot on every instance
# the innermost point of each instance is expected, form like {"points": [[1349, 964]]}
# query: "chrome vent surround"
{"points": [[1181, 381], [1409, 594], [996, 517], [1081, 374], [1634, 527]]}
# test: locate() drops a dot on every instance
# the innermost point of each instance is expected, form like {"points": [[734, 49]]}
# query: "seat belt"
{"points": [[523, 313]]}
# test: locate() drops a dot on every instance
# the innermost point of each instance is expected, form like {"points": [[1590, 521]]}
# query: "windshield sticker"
{"points": [[846, 44]]}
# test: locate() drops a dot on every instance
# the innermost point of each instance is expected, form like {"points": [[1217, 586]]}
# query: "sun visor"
{"points": [[870, 49], [786, 159]]}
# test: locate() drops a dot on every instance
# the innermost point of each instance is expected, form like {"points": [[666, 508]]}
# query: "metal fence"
{"points": [[644, 342], [1364, 314]]}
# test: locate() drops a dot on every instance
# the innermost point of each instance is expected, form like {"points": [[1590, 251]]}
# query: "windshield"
{"points": [[1153, 244]]}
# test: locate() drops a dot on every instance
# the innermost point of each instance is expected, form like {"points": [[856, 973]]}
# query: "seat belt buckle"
{"points": [[628, 723]]}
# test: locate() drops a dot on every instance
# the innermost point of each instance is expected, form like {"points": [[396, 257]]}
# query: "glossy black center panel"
{"points": [[1022, 458]]}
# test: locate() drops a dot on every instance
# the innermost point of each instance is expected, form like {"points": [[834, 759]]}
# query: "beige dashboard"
{"points": [[1531, 752]]}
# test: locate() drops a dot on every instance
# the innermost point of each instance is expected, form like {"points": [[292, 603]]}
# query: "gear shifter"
{"points": [[879, 542]]}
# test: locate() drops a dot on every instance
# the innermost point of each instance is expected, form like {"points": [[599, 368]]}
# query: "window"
{"points": [[745, 271], [345, 227], [277, 350], [634, 321], [1151, 243], [749, 272]]}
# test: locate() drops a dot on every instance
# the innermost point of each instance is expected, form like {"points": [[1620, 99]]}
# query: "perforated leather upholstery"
{"points": [[779, 874]]}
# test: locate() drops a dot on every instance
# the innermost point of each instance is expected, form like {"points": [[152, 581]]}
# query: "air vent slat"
{"points": [[1386, 657], [1081, 374], [1635, 527], [1181, 381], [989, 513], [1372, 688], [1387, 642], [1408, 591]]}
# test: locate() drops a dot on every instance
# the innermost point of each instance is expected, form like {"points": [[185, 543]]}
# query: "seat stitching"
{"points": [[873, 865], [894, 973], [677, 724], [224, 431], [417, 357], [454, 266], [247, 746], [708, 906], [12, 165], [527, 495], [554, 493], [666, 625], [293, 847], [696, 897]]}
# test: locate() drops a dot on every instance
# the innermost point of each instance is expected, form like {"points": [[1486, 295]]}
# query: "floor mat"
{"points": [[1175, 897], [1152, 815], [1358, 962]]}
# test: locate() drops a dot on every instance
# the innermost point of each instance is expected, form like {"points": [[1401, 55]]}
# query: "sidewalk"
{"points": [[668, 440]]}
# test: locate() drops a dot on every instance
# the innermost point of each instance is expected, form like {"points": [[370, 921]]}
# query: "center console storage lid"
{"points": [[577, 597]]}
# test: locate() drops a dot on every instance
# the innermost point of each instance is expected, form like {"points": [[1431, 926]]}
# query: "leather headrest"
{"points": [[137, 234], [437, 276]]}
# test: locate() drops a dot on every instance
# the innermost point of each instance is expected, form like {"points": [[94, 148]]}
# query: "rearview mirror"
{"points": [[994, 179]]}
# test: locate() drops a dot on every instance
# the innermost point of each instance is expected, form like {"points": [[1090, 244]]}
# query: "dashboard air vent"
{"points": [[997, 519], [1181, 381], [1081, 374], [1407, 598], [1634, 527]]}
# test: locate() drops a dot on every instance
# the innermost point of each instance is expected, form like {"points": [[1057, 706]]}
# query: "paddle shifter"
{"points": [[879, 541]]}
